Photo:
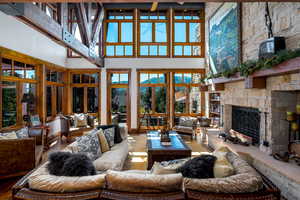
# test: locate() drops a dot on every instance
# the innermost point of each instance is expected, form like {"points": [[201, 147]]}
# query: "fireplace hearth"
{"points": [[246, 120]]}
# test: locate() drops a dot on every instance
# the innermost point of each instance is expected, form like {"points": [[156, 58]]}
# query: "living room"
{"points": [[150, 100]]}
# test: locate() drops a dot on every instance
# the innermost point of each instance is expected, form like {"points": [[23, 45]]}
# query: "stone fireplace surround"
{"points": [[282, 93]]}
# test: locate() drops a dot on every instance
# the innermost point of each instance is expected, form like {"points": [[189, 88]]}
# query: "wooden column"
{"points": [[67, 98], [41, 92]]}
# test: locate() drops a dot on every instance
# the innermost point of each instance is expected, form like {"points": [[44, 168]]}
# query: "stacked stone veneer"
{"points": [[282, 93], [286, 22]]}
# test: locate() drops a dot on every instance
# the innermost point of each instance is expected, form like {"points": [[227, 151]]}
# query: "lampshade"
{"points": [[28, 98]]}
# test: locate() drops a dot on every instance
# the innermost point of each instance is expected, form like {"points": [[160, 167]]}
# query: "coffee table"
{"points": [[158, 152]]}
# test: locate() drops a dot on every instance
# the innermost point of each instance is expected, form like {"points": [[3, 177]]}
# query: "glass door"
{"points": [[118, 97]]}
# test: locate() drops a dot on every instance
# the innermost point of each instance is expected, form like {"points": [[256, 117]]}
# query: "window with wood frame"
{"points": [[153, 33], [85, 92], [54, 92], [188, 97], [18, 79], [119, 33], [153, 97], [188, 33]]}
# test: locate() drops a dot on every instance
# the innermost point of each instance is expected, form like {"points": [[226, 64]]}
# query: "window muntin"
{"points": [[153, 33], [119, 39], [188, 40]]}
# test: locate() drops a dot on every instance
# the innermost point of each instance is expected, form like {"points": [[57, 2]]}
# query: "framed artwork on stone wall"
{"points": [[225, 38]]}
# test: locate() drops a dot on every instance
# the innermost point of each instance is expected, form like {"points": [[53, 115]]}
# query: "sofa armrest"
{"points": [[22, 183]]}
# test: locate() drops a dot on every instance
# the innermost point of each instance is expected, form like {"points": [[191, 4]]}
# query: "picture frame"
{"points": [[224, 40]]}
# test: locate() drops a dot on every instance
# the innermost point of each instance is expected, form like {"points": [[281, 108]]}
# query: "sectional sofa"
{"points": [[112, 183]]}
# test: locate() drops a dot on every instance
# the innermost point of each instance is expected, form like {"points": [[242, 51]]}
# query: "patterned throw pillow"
{"points": [[22, 133], [80, 120], [89, 145], [8, 135], [110, 136]]}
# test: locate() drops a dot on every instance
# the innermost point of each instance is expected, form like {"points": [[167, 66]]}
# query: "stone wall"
{"points": [[285, 18], [282, 93]]}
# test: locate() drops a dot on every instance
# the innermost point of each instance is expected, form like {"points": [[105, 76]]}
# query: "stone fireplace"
{"points": [[282, 94]]}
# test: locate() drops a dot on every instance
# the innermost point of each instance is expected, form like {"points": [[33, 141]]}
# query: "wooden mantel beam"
{"points": [[36, 18]]}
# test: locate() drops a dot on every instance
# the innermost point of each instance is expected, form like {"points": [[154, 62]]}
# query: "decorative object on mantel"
{"points": [[273, 45]]}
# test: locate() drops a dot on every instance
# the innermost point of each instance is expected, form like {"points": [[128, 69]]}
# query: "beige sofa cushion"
{"points": [[142, 182], [246, 179], [113, 159], [222, 168], [43, 181]]}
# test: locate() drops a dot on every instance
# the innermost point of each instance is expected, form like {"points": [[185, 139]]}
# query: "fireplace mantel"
{"points": [[258, 78]]}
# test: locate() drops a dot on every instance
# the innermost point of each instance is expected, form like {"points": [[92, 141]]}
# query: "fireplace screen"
{"points": [[246, 121]]}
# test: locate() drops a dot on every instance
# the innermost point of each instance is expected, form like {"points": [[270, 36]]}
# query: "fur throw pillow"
{"points": [[57, 161], [198, 167], [78, 165], [68, 164]]}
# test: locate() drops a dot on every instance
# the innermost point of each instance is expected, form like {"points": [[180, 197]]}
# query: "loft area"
{"points": [[149, 100]]}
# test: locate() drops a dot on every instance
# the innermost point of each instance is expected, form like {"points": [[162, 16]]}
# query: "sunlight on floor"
{"points": [[138, 153]]}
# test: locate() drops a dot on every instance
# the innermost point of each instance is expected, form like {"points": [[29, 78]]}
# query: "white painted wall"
{"points": [[76, 63], [18, 36], [142, 63]]}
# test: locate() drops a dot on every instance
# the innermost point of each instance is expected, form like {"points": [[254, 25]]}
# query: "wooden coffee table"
{"points": [[158, 152]]}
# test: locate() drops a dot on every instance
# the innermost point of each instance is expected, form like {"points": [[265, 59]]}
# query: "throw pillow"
{"points": [[168, 167], [22, 133], [78, 165], [117, 138], [110, 135], [56, 162], [199, 167], [103, 142], [80, 120], [35, 120], [8, 135], [89, 145]]}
